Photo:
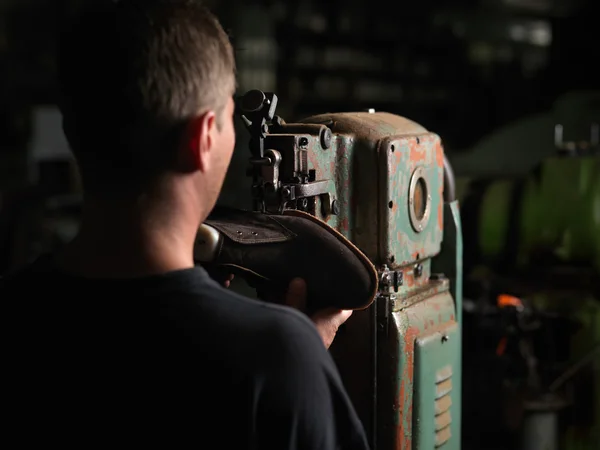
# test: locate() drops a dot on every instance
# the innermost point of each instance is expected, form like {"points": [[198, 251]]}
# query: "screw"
{"points": [[385, 279], [335, 208], [398, 280], [418, 270]]}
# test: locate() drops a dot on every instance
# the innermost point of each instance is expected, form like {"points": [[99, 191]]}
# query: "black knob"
{"points": [[335, 208], [253, 101]]}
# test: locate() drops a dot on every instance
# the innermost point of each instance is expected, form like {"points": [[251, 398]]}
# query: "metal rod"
{"points": [[595, 138], [575, 368], [558, 135]]}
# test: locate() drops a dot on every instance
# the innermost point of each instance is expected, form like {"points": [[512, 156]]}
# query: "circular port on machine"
{"points": [[419, 200]]}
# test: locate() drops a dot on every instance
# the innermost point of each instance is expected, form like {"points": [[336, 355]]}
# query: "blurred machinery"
{"points": [[384, 183], [40, 193], [532, 302]]}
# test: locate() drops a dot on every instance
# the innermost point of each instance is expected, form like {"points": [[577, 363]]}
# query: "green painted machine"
{"points": [[556, 210], [532, 288], [383, 182]]}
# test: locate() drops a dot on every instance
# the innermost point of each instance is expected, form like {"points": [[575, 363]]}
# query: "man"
{"points": [[118, 339]]}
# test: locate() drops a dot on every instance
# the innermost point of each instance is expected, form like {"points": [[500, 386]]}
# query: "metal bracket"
{"points": [[385, 306], [303, 190], [279, 162], [390, 279], [270, 172]]}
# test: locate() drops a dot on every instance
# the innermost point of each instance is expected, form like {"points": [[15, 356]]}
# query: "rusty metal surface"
{"points": [[400, 158], [433, 287], [369, 164], [408, 324]]}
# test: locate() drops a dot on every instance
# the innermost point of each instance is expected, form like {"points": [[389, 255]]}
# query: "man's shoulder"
{"points": [[278, 325]]}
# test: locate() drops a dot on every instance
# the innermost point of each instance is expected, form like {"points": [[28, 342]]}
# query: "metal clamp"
{"points": [[390, 279]]}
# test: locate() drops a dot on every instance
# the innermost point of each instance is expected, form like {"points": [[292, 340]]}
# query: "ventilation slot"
{"points": [[443, 402]]}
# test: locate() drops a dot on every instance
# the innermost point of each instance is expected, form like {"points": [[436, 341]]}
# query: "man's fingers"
{"points": [[343, 316], [328, 322], [220, 275], [296, 294], [227, 281], [335, 317]]}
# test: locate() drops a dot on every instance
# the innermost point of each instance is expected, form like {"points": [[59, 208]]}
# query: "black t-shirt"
{"points": [[172, 360]]}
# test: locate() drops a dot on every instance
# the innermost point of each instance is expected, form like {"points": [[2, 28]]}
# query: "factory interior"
{"points": [[504, 254]]}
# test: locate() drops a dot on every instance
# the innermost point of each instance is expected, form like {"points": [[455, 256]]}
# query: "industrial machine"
{"points": [[383, 182], [532, 302]]}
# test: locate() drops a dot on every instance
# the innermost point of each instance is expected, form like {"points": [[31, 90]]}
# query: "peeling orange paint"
{"points": [[417, 152], [397, 156], [439, 153], [404, 435], [409, 279]]}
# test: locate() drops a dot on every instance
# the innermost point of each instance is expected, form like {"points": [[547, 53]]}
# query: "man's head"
{"points": [[147, 97]]}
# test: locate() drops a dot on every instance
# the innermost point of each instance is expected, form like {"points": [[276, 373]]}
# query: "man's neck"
{"points": [[129, 242]]}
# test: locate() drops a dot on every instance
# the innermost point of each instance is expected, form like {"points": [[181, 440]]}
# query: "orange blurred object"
{"points": [[501, 346], [505, 300]]}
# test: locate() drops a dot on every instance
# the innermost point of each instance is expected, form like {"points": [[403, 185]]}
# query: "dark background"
{"points": [[491, 77]]}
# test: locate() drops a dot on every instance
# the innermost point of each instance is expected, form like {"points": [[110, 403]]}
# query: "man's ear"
{"points": [[201, 140]]}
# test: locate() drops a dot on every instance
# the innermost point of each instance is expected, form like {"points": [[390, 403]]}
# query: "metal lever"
{"points": [[257, 108]]}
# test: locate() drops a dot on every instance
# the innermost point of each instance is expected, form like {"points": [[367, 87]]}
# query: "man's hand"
{"points": [[227, 281], [327, 321], [221, 276]]}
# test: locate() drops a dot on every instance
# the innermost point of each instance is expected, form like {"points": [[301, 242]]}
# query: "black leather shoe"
{"points": [[269, 250]]}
